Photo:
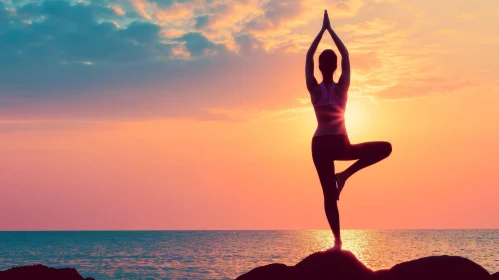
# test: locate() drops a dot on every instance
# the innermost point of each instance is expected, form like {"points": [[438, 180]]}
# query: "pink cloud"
{"points": [[373, 27], [424, 86], [118, 10]]}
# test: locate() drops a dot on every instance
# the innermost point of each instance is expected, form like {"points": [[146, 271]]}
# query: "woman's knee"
{"points": [[387, 148], [383, 149]]}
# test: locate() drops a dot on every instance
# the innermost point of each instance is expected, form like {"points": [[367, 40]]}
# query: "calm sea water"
{"points": [[227, 254]]}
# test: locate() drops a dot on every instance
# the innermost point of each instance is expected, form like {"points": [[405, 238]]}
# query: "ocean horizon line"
{"points": [[218, 230]]}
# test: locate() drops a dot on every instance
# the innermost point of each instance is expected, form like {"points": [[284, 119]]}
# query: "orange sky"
{"points": [[425, 78]]}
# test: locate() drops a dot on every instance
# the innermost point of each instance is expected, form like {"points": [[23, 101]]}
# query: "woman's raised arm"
{"points": [[344, 81], [309, 62]]}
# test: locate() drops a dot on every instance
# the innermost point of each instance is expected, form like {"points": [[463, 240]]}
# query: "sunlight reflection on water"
{"points": [[227, 254]]}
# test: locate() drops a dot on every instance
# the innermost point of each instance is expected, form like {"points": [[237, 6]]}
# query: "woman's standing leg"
{"points": [[324, 165], [366, 154]]}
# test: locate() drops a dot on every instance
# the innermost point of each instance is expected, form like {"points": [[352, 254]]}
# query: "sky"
{"points": [[194, 114]]}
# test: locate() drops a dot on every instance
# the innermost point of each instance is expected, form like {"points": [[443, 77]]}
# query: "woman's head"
{"points": [[328, 62]]}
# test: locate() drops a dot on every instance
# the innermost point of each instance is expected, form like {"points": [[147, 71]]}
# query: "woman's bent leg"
{"points": [[367, 154]]}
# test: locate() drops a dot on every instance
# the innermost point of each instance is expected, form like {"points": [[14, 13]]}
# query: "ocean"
{"points": [[228, 254]]}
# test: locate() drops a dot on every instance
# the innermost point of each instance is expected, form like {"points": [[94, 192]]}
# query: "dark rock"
{"points": [[345, 266], [495, 276], [271, 271], [35, 272], [340, 265], [329, 264], [438, 268], [383, 274]]}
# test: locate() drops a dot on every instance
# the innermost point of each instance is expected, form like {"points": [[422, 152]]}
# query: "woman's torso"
{"points": [[330, 112]]}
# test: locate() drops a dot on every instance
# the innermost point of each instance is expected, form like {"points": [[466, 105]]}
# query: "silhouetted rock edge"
{"points": [[343, 265], [40, 271]]}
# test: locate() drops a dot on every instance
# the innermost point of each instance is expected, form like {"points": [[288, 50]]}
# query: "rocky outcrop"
{"points": [[343, 265], [39, 272], [439, 267]]}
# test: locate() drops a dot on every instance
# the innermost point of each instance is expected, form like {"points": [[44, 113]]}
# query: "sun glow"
{"points": [[354, 118]]}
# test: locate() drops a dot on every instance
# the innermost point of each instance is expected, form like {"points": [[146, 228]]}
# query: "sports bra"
{"points": [[330, 112]]}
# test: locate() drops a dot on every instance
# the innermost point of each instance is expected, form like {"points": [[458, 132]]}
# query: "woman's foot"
{"points": [[340, 181], [337, 246]]}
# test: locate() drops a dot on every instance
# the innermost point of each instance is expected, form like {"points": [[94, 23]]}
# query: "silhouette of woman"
{"points": [[330, 141]]}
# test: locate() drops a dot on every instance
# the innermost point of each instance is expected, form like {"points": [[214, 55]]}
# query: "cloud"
{"points": [[423, 86], [365, 61], [466, 16], [282, 16], [50, 125], [105, 72], [201, 21], [118, 10], [174, 59], [390, 61], [269, 22], [347, 8], [54, 49], [385, 1], [141, 8], [142, 32], [197, 44], [278, 11], [247, 44], [376, 26], [163, 11]]}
